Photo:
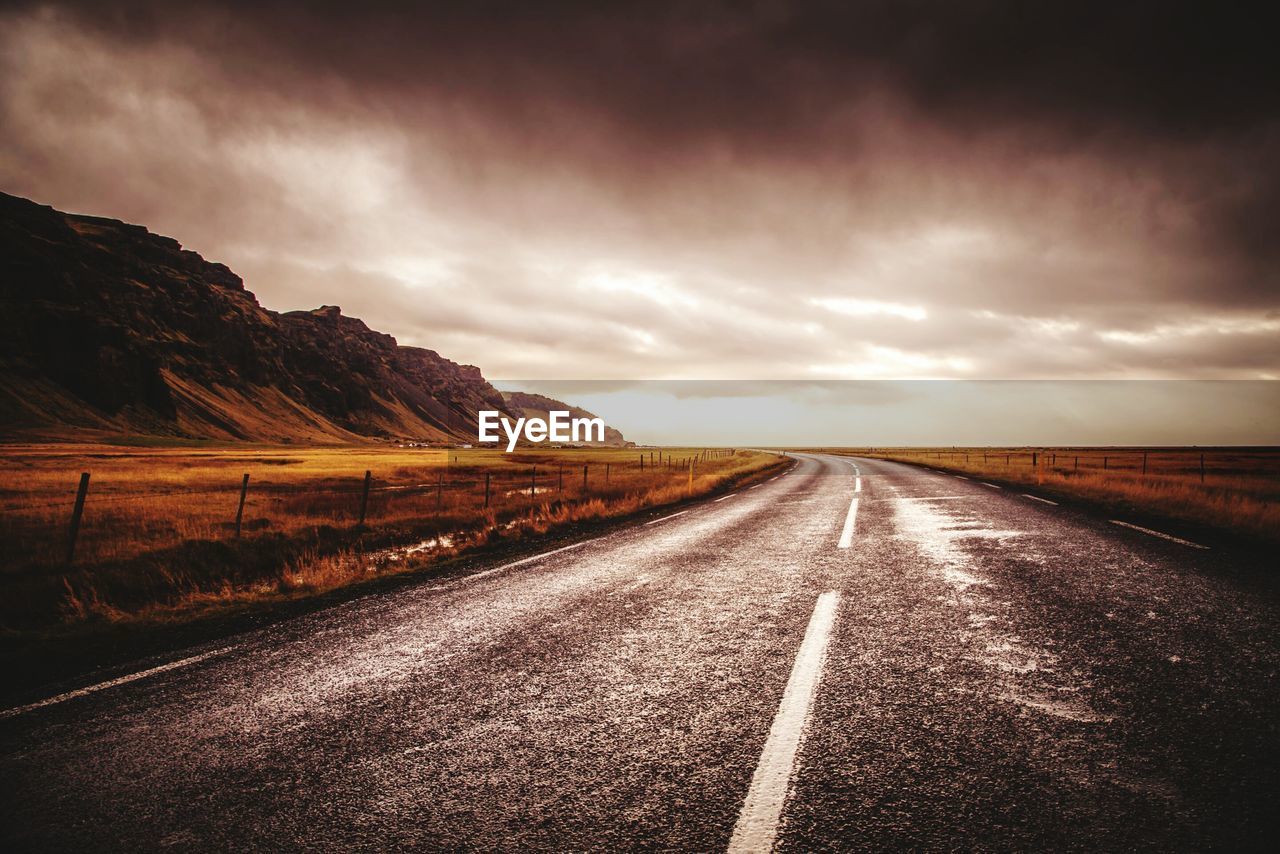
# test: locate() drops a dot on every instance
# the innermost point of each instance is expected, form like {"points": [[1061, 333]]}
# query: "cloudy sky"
{"points": [[769, 190]]}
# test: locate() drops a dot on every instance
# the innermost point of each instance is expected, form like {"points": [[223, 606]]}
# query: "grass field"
{"points": [[157, 539], [1233, 491]]}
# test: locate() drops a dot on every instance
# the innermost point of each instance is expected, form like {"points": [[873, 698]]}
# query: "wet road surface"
{"points": [[854, 655]]}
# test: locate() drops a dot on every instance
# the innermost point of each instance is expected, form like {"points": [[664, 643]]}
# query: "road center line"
{"points": [[857, 484], [757, 827], [1041, 500], [111, 683], [725, 498], [665, 518], [1162, 536], [992, 485], [846, 536]]}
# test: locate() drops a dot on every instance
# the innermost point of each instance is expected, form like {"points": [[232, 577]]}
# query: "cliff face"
{"points": [[107, 327], [538, 406]]}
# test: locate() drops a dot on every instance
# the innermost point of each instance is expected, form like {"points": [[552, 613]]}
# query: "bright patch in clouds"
{"points": [[890, 363], [869, 308], [1193, 329]]}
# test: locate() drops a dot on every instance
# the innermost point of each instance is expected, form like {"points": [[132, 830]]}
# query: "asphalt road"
{"points": [[947, 665]]}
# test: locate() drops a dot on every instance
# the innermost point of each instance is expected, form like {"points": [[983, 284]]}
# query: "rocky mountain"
{"points": [[538, 406], [108, 329]]}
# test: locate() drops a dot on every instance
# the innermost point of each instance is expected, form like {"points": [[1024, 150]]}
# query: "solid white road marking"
{"points": [[1038, 498], [520, 562], [846, 536], [1162, 536], [757, 486], [992, 485], [725, 498], [857, 484], [757, 827], [665, 518], [111, 683], [962, 477]]}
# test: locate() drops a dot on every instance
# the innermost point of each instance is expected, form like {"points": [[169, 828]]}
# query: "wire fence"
{"points": [[121, 517], [1186, 464]]}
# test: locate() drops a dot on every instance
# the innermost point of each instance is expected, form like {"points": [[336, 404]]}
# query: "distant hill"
{"points": [[537, 406], [106, 328]]}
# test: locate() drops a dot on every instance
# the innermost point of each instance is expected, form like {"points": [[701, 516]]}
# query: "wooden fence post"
{"points": [[560, 483], [364, 498], [606, 474], [533, 483], [1105, 460], [244, 487], [486, 489], [1144, 463], [76, 513], [1201, 468], [584, 477], [439, 489]]}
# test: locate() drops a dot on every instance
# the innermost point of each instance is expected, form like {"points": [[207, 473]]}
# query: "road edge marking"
{"points": [[112, 683], [992, 485], [758, 821], [665, 518], [513, 564], [1038, 498], [1170, 537]]}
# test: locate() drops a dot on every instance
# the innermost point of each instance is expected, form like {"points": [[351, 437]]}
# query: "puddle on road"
{"points": [[1023, 673]]}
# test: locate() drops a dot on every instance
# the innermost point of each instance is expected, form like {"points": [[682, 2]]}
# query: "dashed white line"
{"points": [[725, 498], [1038, 498], [757, 827], [111, 683], [846, 536], [992, 485], [962, 477], [1159, 534], [757, 486], [857, 484], [665, 518]]}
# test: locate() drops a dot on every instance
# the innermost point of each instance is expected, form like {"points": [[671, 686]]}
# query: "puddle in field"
{"points": [[399, 553], [537, 490], [1023, 673]]}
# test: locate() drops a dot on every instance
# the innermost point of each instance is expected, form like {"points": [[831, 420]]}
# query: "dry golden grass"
{"points": [[1237, 491], [157, 537]]}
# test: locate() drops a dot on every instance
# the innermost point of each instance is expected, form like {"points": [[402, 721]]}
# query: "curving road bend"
{"points": [[942, 664]]}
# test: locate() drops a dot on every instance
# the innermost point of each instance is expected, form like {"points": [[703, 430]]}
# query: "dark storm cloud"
{"points": [[1176, 68], [778, 78]]}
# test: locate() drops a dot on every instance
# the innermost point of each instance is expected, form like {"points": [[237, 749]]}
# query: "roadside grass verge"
{"points": [[157, 544]]}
